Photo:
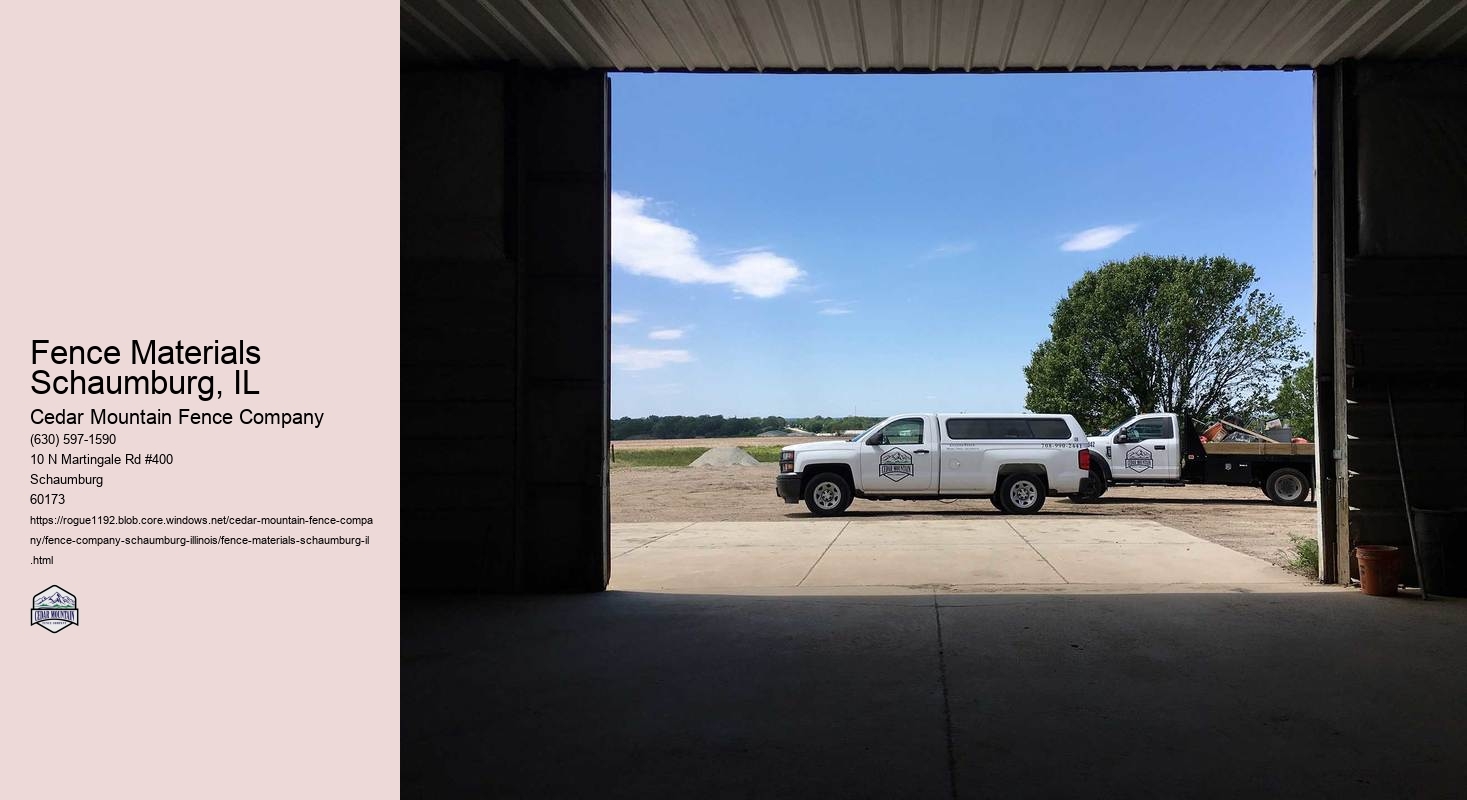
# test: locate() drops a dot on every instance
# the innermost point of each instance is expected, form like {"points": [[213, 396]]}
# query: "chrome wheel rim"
{"points": [[1289, 488], [1023, 494], [827, 495]]}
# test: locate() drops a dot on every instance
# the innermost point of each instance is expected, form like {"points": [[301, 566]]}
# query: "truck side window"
{"points": [[960, 428], [1151, 428], [903, 431], [1008, 429], [1049, 429]]}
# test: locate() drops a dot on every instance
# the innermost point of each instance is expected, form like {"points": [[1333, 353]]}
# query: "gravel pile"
{"points": [[725, 457]]}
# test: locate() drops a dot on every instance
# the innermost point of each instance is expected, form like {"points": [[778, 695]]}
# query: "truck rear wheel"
{"points": [[1021, 494], [1096, 490], [1287, 486], [828, 494]]}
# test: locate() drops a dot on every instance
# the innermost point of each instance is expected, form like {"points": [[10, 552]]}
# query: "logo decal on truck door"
{"points": [[896, 464], [1138, 459]]}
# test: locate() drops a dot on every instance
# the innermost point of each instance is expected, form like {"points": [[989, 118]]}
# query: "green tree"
{"points": [[1295, 401], [1162, 333]]}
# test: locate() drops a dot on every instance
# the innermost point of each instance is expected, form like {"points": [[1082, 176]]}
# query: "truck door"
{"points": [[900, 458], [961, 458], [1146, 449]]}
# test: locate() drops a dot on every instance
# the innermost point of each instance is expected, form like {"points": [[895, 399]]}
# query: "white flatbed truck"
{"points": [[1167, 450]]}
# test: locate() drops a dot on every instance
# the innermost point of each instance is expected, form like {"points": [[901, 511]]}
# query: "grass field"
{"points": [[765, 453], [656, 456], [681, 456]]}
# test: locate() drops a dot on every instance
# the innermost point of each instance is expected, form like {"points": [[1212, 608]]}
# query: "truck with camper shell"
{"points": [[1013, 460], [1167, 450]]}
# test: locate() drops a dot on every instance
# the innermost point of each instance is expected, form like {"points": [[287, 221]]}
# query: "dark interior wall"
{"points": [[1400, 251], [562, 134], [505, 291]]}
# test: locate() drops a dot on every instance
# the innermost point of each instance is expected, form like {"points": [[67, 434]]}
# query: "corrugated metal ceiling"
{"points": [[927, 35]]}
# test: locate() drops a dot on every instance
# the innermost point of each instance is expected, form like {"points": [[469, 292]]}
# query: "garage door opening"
{"points": [[869, 246]]}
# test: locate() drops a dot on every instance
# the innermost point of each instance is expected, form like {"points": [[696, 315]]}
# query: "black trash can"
{"points": [[1441, 533]]}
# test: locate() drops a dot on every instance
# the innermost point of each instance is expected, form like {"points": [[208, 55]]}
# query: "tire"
{"points": [[828, 494], [1021, 494], [1287, 487], [993, 498], [1097, 488]]}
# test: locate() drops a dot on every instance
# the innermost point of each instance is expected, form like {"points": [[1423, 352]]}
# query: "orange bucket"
{"points": [[1380, 569]]}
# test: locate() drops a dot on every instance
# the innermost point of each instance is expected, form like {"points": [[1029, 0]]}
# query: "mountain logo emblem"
{"points": [[896, 464], [1139, 459], [54, 609]]}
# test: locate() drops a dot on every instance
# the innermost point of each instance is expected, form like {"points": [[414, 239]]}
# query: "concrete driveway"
{"points": [[1064, 554]]}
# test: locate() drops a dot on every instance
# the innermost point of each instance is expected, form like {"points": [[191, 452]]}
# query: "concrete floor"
{"points": [[1324, 693], [965, 554]]}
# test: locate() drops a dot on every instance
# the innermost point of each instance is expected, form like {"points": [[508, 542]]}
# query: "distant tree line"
{"points": [[711, 426]]}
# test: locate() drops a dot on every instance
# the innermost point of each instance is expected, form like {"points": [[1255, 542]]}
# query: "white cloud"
{"points": [[623, 319], [1097, 238], [952, 249], [943, 250], [738, 251], [644, 245], [640, 358], [666, 334], [835, 311]]}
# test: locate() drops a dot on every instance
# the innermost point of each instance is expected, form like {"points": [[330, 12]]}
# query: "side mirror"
{"points": [[875, 439], [1123, 437]]}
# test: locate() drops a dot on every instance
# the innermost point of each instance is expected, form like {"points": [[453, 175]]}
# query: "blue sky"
{"points": [[836, 244]]}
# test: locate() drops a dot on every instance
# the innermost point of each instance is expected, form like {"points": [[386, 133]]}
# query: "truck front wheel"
{"points": [[1287, 486], [828, 494], [1021, 494]]}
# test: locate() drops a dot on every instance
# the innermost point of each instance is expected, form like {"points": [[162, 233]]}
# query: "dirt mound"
{"points": [[725, 457]]}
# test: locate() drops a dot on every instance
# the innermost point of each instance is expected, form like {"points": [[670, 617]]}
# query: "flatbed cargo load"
{"points": [[1259, 448]]}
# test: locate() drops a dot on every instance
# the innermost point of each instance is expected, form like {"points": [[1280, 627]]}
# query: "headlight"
{"points": [[786, 461]]}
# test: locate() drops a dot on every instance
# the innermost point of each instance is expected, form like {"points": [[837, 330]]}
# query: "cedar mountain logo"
{"points": [[1138, 459], [896, 464], [54, 609]]}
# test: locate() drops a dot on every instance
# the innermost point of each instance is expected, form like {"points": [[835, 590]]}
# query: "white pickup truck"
{"points": [[1014, 460], [1167, 450]]}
